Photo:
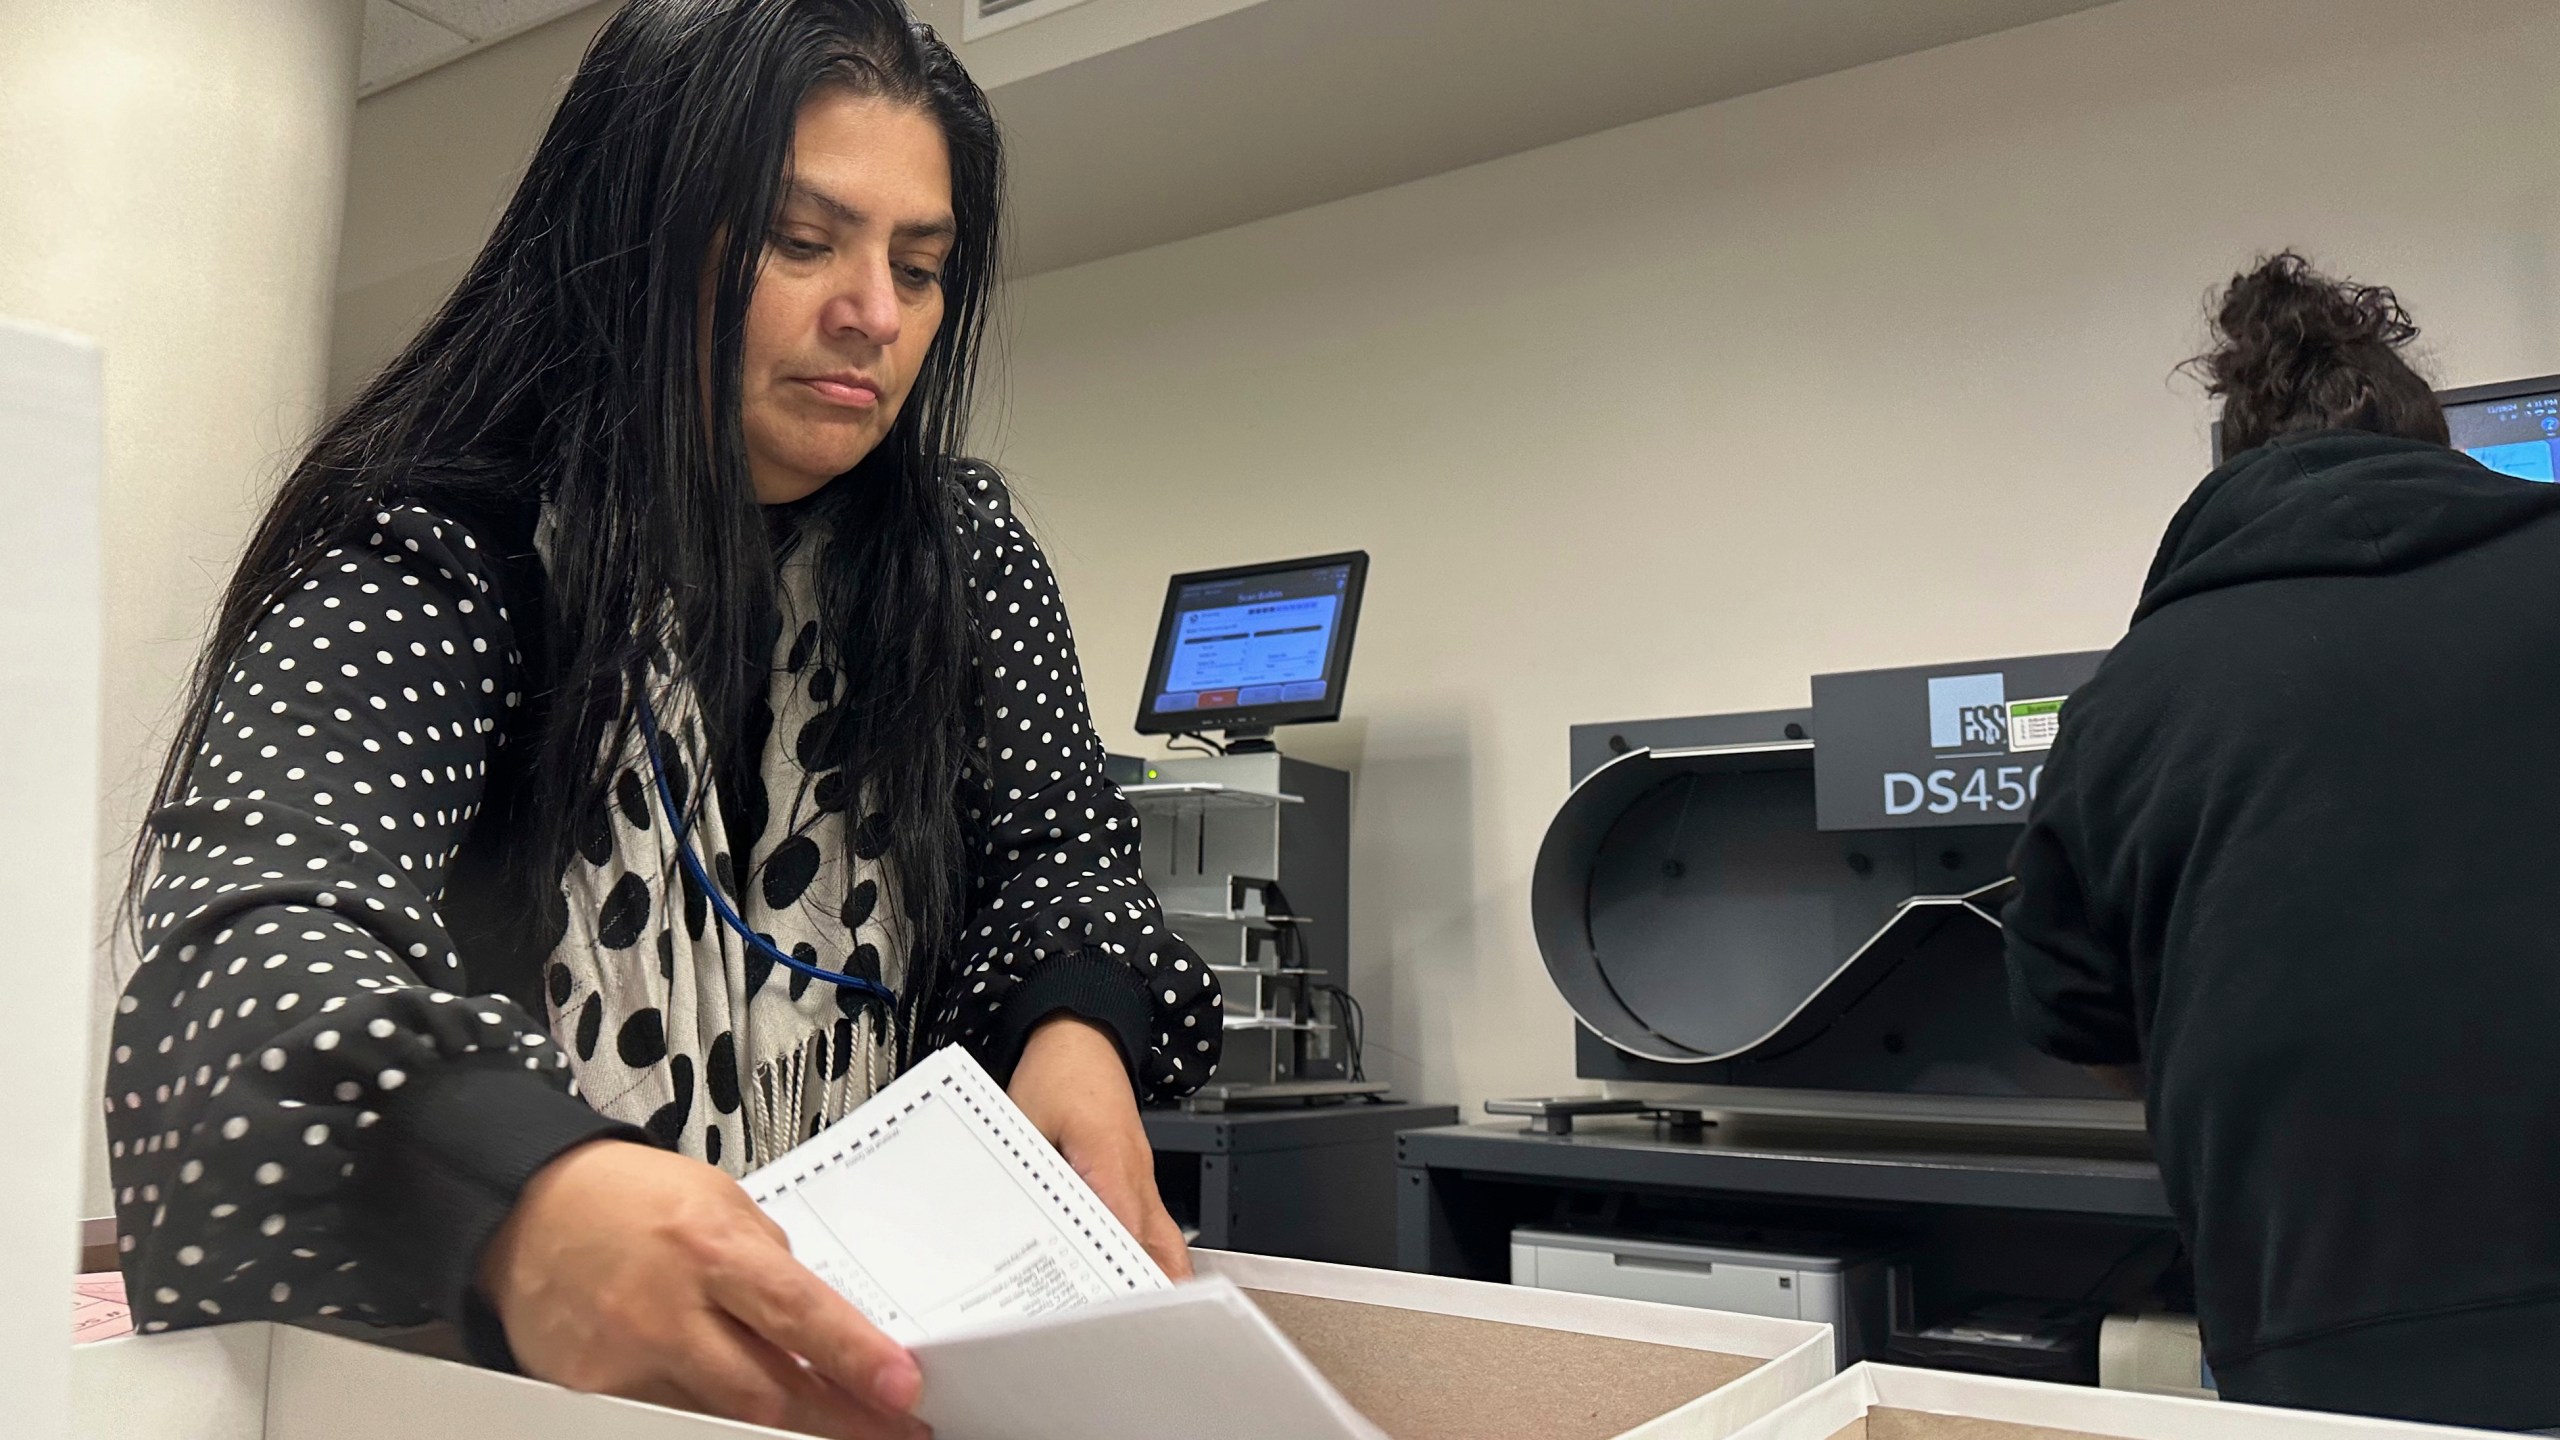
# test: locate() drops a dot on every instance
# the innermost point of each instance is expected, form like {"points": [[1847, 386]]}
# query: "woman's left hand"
{"points": [[1075, 1088]]}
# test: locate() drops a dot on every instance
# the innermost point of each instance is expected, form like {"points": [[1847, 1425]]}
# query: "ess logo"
{"points": [[1968, 711], [1972, 718]]}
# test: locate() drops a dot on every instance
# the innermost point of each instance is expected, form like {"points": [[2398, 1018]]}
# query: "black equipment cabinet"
{"points": [[1312, 1183], [2076, 1219]]}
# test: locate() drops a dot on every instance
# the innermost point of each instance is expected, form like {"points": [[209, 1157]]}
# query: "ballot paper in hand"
{"points": [[936, 1207], [945, 1217]]}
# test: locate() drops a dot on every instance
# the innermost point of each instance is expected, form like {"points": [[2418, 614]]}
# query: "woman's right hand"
{"points": [[626, 1270]]}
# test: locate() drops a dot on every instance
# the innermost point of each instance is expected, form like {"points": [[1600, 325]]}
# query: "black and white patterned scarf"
{"points": [[684, 1029]]}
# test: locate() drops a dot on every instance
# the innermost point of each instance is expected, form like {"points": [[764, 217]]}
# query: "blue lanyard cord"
{"points": [[719, 904]]}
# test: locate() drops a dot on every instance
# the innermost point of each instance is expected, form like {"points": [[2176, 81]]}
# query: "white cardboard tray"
{"points": [[269, 1382], [52, 458], [1841, 1409], [1793, 1356]]}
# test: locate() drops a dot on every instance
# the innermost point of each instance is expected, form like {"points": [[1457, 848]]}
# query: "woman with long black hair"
{"points": [[633, 734]]}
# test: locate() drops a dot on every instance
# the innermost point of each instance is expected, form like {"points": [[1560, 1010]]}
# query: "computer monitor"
{"points": [[2513, 428], [1244, 649]]}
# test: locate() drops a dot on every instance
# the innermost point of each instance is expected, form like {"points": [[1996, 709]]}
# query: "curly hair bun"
{"points": [[2295, 351]]}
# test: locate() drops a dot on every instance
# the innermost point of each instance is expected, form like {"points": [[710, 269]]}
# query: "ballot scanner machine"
{"points": [[1779, 934], [1798, 911]]}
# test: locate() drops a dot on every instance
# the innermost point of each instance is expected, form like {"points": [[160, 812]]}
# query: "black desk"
{"points": [[1314, 1183], [2019, 1212]]}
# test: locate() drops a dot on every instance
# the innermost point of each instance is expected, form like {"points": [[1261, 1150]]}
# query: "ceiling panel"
{"points": [[406, 38], [398, 43], [490, 19]]}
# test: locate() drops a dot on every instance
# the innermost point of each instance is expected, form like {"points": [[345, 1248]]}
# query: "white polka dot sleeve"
{"points": [[307, 1113], [1062, 918]]}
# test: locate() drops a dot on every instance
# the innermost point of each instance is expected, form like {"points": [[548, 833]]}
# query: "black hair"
{"points": [[2295, 350], [566, 369]]}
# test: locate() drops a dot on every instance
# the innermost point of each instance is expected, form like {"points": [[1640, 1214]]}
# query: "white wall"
{"points": [[1869, 370], [169, 180]]}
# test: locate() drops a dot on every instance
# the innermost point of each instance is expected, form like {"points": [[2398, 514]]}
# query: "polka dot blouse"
{"points": [[321, 1101]]}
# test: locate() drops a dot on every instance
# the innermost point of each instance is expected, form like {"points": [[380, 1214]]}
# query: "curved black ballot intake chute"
{"points": [[1690, 912]]}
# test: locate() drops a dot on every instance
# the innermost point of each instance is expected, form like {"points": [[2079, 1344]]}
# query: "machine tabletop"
{"points": [[2088, 1174]]}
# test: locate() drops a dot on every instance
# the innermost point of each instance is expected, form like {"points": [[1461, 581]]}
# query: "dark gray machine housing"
{"points": [[1706, 933]]}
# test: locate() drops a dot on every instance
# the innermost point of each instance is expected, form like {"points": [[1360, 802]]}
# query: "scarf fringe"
{"points": [[792, 1097]]}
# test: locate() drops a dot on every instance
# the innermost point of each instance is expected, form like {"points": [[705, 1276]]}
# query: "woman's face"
{"points": [[850, 294]]}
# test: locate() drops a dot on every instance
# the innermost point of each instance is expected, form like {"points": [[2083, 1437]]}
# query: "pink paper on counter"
{"points": [[98, 1308]]}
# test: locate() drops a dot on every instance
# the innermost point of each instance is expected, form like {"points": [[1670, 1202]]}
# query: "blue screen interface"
{"points": [[2519, 437], [1261, 640]]}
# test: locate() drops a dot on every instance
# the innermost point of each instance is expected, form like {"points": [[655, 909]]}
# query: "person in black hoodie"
{"points": [[2295, 863]]}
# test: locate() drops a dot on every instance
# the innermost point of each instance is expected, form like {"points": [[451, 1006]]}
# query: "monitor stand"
{"points": [[1248, 740]]}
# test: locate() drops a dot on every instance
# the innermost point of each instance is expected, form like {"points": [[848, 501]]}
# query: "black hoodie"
{"points": [[2297, 854]]}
